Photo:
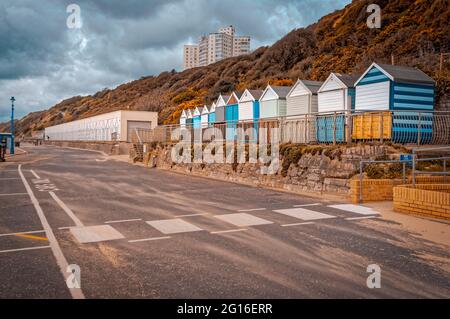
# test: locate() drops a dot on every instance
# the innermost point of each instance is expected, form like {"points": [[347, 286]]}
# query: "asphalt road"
{"points": [[176, 236]]}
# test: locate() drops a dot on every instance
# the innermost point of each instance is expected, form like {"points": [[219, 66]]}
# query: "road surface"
{"points": [[137, 232]]}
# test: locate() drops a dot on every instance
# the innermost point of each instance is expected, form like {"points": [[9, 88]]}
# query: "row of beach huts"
{"points": [[403, 97]]}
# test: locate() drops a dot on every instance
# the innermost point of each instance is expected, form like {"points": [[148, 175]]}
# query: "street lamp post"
{"points": [[11, 147]]}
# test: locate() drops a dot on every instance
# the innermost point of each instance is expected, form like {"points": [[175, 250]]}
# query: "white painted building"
{"points": [[117, 126], [190, 56], [214, 47]]}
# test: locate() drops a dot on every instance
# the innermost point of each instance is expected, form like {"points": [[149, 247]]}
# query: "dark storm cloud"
{"points": [[42, 61]]}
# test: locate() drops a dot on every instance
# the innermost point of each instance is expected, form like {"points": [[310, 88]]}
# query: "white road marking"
{"points": [[101, 160], [57, 252], [191, 215], [68, 211], [251, 210], [357, 218], [358, 209], [228, 231], [173, 226], [148, 239], [308, 205], [94, 234], [9, 178], [69, 227], [243, 219], [123, 221], [14, 194], [23, 249], [297, 224], [304, 214], [24, 232], [34, 173]]}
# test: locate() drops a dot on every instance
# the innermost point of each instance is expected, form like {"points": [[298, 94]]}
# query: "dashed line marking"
{"points": [[308, 205], [148, 239], [357, 218], [14, 194], [8, 178], [23, 249], [191, 215], [251, 210], [228, 231], [123, 221], [297, 224]]}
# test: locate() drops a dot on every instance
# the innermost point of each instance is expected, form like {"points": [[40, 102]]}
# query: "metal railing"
{"points": [[443, 159], [403, 127]]}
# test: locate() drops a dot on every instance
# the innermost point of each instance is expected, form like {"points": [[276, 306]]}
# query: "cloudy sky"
{"points": [[43, 61]]}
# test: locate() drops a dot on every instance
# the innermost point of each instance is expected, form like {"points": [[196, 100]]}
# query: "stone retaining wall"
{"points": [[319, 173]]}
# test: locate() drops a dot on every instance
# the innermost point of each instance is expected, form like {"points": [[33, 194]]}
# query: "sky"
{"points": [[49, 53]]}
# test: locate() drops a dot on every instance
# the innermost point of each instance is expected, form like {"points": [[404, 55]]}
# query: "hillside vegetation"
{"points": [[414, 31]]}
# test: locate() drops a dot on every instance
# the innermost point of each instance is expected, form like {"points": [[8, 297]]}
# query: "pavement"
{"points": [[135, 232]]}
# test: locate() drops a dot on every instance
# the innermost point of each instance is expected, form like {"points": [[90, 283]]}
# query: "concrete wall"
{"points": [[110, 148], [100, 127]]}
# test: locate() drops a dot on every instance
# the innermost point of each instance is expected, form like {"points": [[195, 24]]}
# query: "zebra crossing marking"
{"points": [[303, 213], [173, 226], [94, 234], [243, 219], [357, 209]]}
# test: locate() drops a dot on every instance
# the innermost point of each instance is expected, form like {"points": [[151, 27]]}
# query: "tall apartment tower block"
{"points": [[215, 47]]}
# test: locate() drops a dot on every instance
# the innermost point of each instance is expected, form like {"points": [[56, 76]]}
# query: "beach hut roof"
{"points": [[312, 86], [254, 95], [400, 74], [222, 100], [343, 80]]}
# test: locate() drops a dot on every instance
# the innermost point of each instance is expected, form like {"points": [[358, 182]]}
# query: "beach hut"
{"points": [[301, 106], [248, 113], [403, 95], [183, 118], [336, 96], [196, 118], [212, 114], [188, 117], [204, 116], [220, 108], [248, 109], [303, 99], [273, 102], [231, 115]]}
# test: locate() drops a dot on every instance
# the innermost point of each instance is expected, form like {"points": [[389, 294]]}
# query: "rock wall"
{"points": [[324, 169]]}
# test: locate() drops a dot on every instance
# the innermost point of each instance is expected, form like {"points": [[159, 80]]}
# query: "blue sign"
{"points": [[406, 157]]}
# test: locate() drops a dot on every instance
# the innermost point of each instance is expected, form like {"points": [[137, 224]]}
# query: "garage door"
{"points": [[132, 125]]}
